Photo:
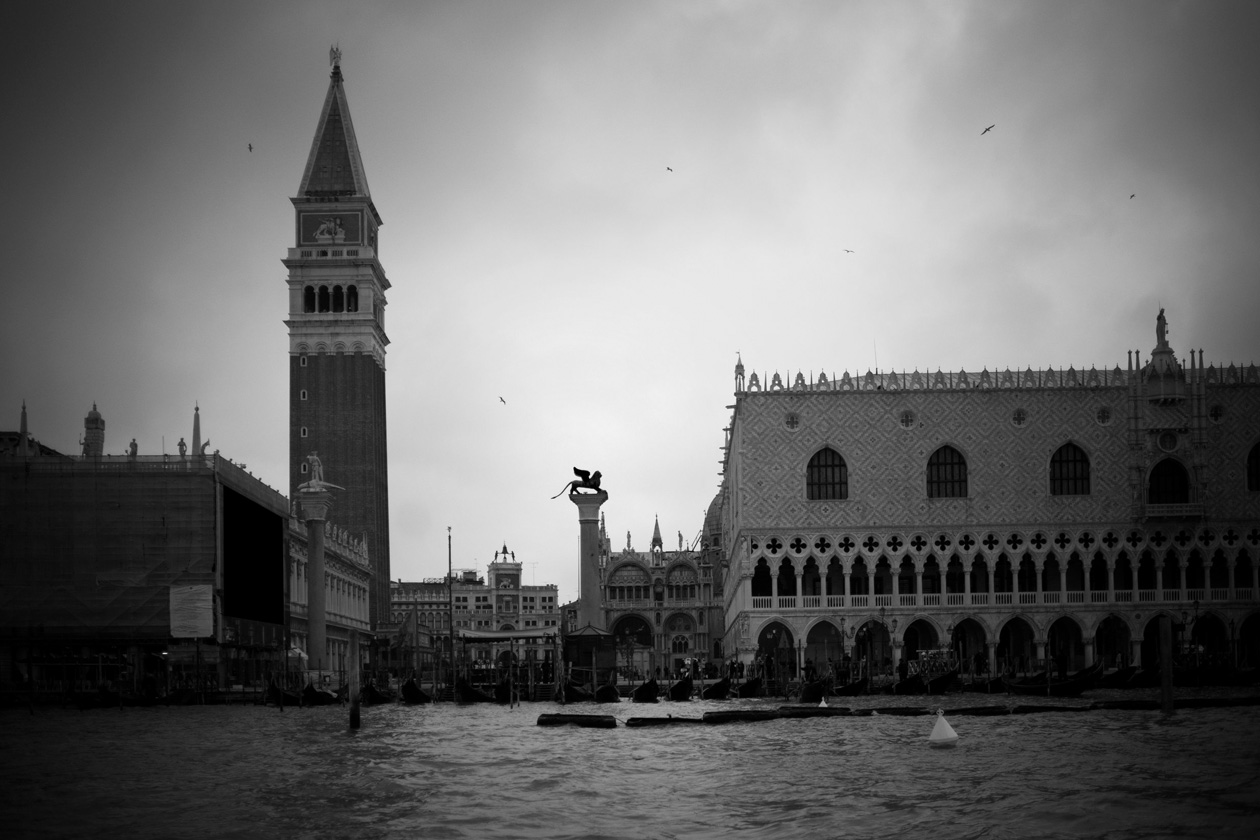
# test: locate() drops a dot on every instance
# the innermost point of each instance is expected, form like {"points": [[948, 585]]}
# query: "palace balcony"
{"points": [[1003, 600]]}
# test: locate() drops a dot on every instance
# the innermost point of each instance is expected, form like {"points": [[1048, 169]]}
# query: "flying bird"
{"points": [[1132, 196], [987, 130], [251, 147], [669, 169], [502, 400], [847, 251]]}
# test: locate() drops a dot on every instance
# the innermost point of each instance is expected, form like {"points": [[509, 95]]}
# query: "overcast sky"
{"points": [[833, 205]]}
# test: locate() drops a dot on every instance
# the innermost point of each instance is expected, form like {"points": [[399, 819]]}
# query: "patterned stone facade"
{"points": [[1010, 565]]}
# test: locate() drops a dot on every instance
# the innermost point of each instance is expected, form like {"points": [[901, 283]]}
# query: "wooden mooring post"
{"points": [[355, 669]]}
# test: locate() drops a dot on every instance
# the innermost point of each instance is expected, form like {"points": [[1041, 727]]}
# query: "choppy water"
{"points": [[490, 772]]}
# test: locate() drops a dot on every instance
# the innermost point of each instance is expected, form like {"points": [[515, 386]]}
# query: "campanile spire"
{"points": [[337, 335]]}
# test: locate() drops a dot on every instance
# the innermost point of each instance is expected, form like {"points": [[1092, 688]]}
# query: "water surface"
{"points": [[489, 772]]}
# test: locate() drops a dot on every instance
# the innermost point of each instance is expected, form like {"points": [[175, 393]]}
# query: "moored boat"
{"points": [[680, 690], [720, 690], [412, 694], [649, 692], [814, 691], [607, 693], [942, 682], [370, 695], [466, 692], [1042, 685], [852, 689], [312, 696], [752, 688], [576, 693]]}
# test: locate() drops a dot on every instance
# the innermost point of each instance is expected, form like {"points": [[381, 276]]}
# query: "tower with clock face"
{"points": [[337, 337]]}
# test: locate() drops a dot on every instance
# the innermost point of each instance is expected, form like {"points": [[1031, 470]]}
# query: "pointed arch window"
{"points": [[1069, 471], [1169, 484], [947, 474], [827, 476], [1253, 468]]}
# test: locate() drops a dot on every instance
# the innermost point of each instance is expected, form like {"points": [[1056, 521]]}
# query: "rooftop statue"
{"points": [[585, 479], [317, 475]]}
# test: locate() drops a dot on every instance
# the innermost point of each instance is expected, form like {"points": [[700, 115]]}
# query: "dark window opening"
{"points": [[947, 474], [1069, 471], [827, 476]]}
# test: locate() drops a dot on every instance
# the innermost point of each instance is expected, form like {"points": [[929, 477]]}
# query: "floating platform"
{"points": [[809, 711], [587, 721], [741, 715], [661, 721]]}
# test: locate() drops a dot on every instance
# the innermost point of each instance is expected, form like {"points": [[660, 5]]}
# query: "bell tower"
{"points": [[337, 335]]}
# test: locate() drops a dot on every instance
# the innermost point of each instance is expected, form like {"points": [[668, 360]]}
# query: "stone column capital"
{"points": [[588, 505]]}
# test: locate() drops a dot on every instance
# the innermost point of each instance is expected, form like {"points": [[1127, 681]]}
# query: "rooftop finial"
{"points": [[334, 55]]}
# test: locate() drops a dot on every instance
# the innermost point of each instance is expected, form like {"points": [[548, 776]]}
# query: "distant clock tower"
{"points": [[337, 337]]}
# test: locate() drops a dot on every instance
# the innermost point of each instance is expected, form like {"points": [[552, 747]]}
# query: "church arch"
{"points": [[308, 299], [325, 302], [352, 298], [338, 299]]}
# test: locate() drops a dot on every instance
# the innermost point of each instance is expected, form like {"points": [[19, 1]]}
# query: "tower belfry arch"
{"points": [[337, 336]]}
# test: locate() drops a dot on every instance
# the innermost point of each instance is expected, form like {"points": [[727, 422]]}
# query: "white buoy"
{"points": [[822, 704], [943, 735]]}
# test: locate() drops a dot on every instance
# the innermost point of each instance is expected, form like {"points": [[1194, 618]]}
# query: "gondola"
{"points": [[1118, 678], [913, 684], [680, 690], [720, 690], [649, 692], [275, 696], [370, 695], [1038, 686], [752, 688], [412, 694], [505, 693], [942, 683], [312, 696], [607, 693], [466, 692], [576, 693], [814, 691], [852, 689], [985, 686]]}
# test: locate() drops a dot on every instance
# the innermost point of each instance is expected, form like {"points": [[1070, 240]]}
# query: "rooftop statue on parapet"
{"points": [[585, 479]]}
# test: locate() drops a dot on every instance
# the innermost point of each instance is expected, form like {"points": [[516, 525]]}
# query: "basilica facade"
{"points": [[1013, 519], [661, 606]]}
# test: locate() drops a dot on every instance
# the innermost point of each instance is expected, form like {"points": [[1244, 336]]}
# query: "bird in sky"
{"points": [[1132, 196], [251, 147], [987, 130], [502, 400], [847, 251], [669, 169]]}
